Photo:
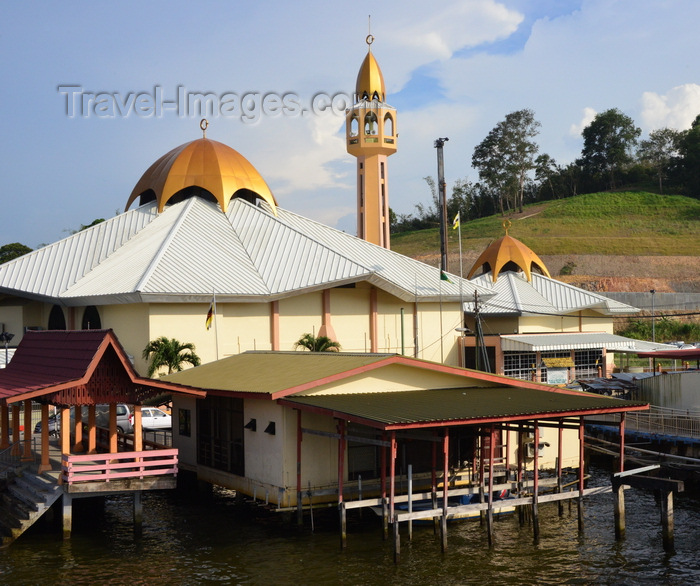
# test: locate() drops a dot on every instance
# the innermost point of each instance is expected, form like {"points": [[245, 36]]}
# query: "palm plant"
{"points": [[317, 343], [169, 352]]}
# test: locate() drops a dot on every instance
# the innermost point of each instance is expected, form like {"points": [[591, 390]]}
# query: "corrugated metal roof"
{"points": [[192, 249], [572, 341], [469, 405], [542, 295], [272, 372]]}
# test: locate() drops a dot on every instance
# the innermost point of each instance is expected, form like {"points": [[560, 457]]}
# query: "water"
{"points": [[186, 540]]}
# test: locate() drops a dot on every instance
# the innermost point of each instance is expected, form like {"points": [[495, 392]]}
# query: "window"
{"points": [[388, 125], [57, 320], [184, 417], [519, 364], [370, 123], [220, 434], [91, 319]]}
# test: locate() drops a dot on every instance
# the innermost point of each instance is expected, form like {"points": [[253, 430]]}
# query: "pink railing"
{"points": [[106, 467]]}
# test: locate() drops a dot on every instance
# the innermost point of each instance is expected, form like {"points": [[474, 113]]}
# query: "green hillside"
{"points": [[621, 223]]}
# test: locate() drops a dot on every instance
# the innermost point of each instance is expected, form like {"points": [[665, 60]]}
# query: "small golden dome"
{"points": [[202, 167], [505, 254], [370, 80]]}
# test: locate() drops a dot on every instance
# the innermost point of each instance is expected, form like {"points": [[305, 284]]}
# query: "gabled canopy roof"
{"points": [[542, 296], [78, 367], [390, 391], [192, 249]]}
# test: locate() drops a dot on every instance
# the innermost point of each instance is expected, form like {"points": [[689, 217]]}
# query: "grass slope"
{"points": [[620, 223]]}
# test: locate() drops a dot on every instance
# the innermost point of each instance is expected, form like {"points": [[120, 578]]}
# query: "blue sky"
{"points": [[454, 69]]}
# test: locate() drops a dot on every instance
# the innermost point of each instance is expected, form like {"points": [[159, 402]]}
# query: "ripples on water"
{"points": [[188, 541]]}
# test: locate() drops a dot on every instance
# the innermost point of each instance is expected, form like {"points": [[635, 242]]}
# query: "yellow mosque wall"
{"points": [[350, 318]]}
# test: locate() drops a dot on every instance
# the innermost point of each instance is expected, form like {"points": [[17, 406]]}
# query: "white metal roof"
{"points": [[575, 341], [542, 296], [192, 250]]}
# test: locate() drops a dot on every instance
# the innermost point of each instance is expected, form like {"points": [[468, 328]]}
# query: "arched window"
{"points": [[354, 126], [91, 319], [388, 125], [57, 319], [370, 123]]}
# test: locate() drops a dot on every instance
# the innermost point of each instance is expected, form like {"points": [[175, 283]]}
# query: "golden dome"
{"points": [[507, 253], [202, 167], [370, 79]]}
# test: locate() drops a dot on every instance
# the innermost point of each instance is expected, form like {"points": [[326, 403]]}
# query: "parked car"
{"points": [[124, 419], [153, 418], [54, 425]]}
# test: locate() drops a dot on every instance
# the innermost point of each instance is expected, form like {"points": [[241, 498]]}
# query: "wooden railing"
{"points": [[122, 465]]}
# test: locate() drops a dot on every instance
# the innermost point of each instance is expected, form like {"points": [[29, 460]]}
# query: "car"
{"points": [[54, 425], [153, 418], [124, 419]]}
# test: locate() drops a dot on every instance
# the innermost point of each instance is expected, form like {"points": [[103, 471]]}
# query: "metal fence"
{"points": [[663, 421]]}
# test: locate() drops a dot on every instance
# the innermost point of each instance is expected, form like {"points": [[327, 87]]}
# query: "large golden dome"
{"points": [[370, 79], [505, 254], [202, 167]]}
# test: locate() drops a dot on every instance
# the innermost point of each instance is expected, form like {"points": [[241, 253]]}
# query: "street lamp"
{"points": [[653, 325], [6, 337]]}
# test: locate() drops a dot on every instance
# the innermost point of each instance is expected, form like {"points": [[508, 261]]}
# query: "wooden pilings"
{"points": [[665, 486]]}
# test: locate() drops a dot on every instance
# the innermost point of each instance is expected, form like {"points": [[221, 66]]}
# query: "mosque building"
{"points": [[538, 328], [201, 226]]}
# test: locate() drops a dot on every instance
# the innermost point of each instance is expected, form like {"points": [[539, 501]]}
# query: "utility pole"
{"points": [[442, 198]]}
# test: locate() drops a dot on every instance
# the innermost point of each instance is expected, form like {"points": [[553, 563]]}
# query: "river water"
{"points": [[194, 540]]}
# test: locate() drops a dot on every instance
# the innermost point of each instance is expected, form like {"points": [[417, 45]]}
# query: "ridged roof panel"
{"points": [[542, 295]]}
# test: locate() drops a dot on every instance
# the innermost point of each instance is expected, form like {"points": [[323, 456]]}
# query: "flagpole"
{"points": [[442, 358], [459, 236], [216, 327]]}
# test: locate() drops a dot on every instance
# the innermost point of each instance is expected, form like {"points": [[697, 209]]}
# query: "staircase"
{"points": [[25, 498]]}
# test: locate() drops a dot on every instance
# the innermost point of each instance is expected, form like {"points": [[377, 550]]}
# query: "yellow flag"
{"points": [[455, 224]]}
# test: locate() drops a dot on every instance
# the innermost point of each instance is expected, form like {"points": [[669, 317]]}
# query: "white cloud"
{"points": [[675, 109], [588, 115]]}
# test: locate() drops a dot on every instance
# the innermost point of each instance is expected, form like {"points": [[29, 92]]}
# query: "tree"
{"points": [[506, 156], [689, 162], [608, 143], [545, 170], [169, 352], [659, 151], [12, 251], [317, 343]]}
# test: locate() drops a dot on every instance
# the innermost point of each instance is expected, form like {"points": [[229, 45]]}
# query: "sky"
{"points": [[93, 93]]}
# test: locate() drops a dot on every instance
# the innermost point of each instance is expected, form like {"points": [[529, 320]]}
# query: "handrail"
{"points": [[118, 466]]}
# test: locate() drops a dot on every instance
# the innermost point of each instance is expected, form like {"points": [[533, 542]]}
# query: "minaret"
{"points": [[370, 128]]}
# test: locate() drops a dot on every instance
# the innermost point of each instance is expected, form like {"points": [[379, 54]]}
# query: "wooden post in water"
{"points": [[560, 453], [300, 511], [667, 519], [67, 520], [489, 515], [445, 486], [433, 487], [343, 525], [581, 465], [410, 501], [536, 485], [138, 512], [619, 511], [341, 477], [385, 509], [521, 508]]}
